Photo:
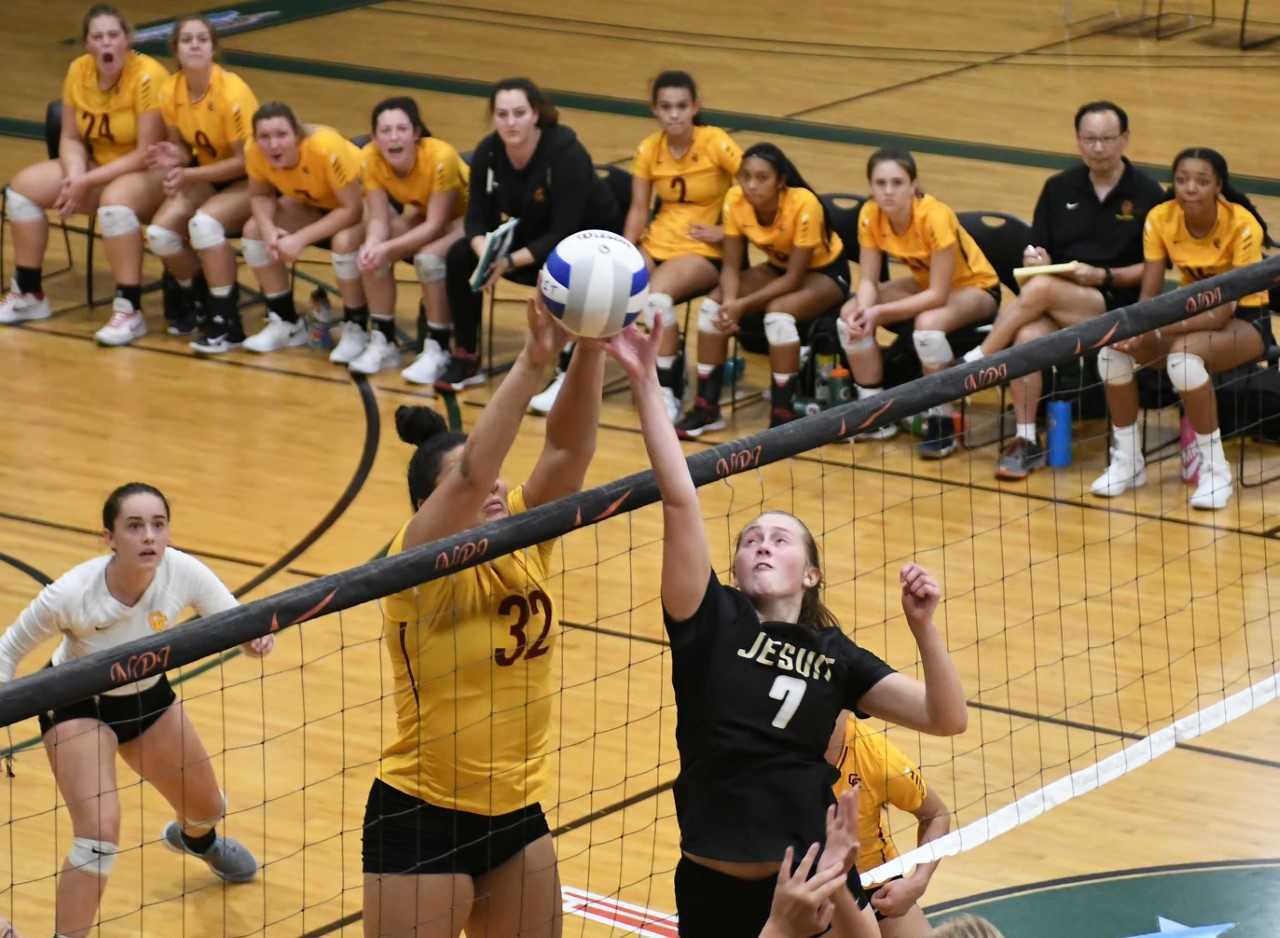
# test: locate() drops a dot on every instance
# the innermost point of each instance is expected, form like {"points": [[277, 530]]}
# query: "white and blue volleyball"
{"points": [[595, 282]]}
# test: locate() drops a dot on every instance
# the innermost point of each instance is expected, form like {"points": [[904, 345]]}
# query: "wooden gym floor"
{"points": [[1075, 622]]}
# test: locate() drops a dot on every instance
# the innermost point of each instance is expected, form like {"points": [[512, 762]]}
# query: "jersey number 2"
{"points": [[790, 690], [522, 606]]}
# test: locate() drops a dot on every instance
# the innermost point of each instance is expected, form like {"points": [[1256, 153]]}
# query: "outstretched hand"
{"points": [[547, 336], [636, 352], [841, 848], [802, 904], [920, 595]]}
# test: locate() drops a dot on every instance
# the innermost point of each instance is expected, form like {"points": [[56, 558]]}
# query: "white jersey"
{"points": [[80, 607]]}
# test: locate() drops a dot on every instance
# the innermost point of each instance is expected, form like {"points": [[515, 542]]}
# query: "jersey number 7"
{"points": [[790, 690]]}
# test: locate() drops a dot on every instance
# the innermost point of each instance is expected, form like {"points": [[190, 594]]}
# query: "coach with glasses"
{"points": [[1092, 214]]}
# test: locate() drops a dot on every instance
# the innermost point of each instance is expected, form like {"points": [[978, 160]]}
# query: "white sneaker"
{"points": [[887, 432], [23, 307], [1215, 487], [378, 354], [277, 334], [672, 404], [427, 367], [125, 325], [352, 342], [542, 402], [1121, 475]]}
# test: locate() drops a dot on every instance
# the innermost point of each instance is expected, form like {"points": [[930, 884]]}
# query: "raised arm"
{"points": [[936, 706], [468, 481], [571, 429], [686, 559]]}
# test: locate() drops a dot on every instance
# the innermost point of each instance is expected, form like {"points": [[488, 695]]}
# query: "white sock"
{"points": [[1211, 452], [781, 379], [1127, 441], [943, 410], [185, 284], [220, 291], [666, 361], [1027, 431], [867, 392]]}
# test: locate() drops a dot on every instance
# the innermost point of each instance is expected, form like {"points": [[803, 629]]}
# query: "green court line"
{"points": [[736, 120]]}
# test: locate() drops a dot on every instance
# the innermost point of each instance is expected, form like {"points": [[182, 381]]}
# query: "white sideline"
{"points": [[1079, 783]]}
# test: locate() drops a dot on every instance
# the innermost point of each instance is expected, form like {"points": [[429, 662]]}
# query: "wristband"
{"points": [[1108, 278]]}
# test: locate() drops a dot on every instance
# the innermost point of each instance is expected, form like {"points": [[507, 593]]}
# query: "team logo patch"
{"points": [[1126, 211], [158, 621], [539, 195]]}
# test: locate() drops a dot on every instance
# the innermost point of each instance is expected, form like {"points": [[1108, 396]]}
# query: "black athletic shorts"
{"points": [[994, 293], [126, 715], [837, 270], [407, 836], [1260, 318], [712, 904]]}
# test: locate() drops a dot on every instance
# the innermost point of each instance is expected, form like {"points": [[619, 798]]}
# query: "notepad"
{"points": [[497, 244]]}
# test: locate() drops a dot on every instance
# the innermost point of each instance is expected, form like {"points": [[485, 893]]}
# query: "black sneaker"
{"points": [[1020, 458], [463, 371], [701, 418], [188, 320], [939, 438], [219, 336]]}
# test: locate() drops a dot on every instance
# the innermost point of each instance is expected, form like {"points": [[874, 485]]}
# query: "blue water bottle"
{"points": [[1059, 433]]}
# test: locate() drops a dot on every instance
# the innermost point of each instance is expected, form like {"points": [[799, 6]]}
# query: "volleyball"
{"points": [[595, 282]]}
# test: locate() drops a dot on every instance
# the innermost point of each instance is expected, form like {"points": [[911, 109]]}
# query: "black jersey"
{"points": [[756, 703]]}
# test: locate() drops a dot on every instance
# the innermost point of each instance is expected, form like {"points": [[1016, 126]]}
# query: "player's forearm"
{"points": [[660, 441], [221, 171], [947, 712]]}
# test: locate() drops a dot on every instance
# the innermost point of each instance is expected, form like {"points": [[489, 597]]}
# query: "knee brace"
{"points": [[93, 857], [117, 220], [430, 268], [19, 208], [344, 266], [932, 347], [1114, 366], [255, 252], [205, 231], [780, 329], [851, 345], [1186, 371], [163, 242], [212, 821], [707, 317], [660, 306]]}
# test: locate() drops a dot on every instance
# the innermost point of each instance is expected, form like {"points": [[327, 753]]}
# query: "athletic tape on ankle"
{"points": [[1186, 371], [780, 329], [117, 220], [255, 252], [344, 266], [19, 208], [162, 242], [205, 231], [707, 313], [1115, 366], [92, 857], [932, 347], [430, 268]]}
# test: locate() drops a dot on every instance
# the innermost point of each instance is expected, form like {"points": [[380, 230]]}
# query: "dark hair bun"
{"points": [[416, 425]]}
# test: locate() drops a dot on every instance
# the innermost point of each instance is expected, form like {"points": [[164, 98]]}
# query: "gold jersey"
{"points": [[887, 777], [472, 659], [798, 223], [934, 227], [108, 120], [327, 161], [436, 168], [1234, 241], [691, 187], [212, 126]]}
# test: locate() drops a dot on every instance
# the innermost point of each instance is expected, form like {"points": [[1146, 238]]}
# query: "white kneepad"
{"points": [[1186, 371], [780, 329], [344, 266], [117, 220], [1115, 366], [255, 252], [660, 306], [19, 208], [430, 268], [932, 347], [163, 242], [707, 313], [92, 857], [205, 231], [848, 343]]}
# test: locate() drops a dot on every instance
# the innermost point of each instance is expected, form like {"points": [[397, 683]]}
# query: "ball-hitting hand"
{"points": [[546, 335], [636, 352]]}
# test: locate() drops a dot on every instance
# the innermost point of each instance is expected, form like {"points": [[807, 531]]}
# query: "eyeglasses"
{"points": [[1100, 141]]}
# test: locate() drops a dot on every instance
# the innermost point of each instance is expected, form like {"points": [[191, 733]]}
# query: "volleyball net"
{"points": [[1089, 641]]}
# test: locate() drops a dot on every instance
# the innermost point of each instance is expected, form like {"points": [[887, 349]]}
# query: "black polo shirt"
{"points": [[1072, 225]]}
